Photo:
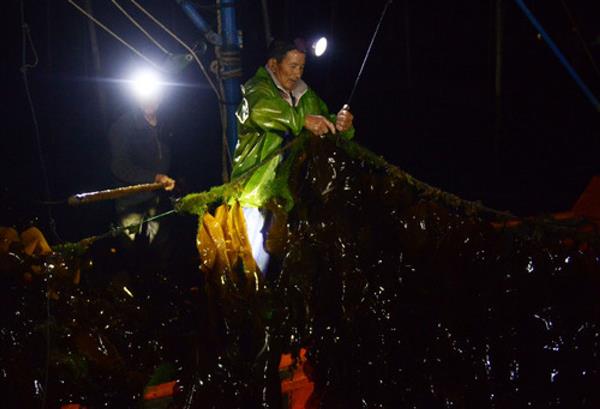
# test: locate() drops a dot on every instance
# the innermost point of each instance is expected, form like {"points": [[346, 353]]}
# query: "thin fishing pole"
{"points": [[362, 67]]}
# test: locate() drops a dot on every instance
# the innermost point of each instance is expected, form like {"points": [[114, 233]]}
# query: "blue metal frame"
{"points": [[231, 85], [189, 9], [229, 41]]}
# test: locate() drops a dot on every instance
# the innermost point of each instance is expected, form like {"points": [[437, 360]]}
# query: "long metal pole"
{"points": [[231, 69], [188, 8], [362, 66], [111, 194]]}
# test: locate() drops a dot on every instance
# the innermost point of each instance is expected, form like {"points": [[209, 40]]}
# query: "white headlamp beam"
{"points": [[146, 85]]}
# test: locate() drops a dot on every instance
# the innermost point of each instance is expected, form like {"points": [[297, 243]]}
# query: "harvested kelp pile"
{"points": [[403, 296]]}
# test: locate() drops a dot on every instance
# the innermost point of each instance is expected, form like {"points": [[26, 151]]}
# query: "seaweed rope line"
{"points": [[451, 200], [358, 152], [109, 31], [138, 25], [183, 44], [188, 203], [194, 200]]}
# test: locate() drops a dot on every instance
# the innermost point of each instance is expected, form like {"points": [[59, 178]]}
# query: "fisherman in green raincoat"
{"points": [[277, 105]]}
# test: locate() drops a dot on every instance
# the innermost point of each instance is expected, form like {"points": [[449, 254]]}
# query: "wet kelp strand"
{"points": [[404, 296]]}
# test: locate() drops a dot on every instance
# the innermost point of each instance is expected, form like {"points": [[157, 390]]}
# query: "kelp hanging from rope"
{"points": [[410, 302], [406, 296], [403, 295]]}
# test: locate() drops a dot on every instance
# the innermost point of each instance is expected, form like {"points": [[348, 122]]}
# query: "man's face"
{"points": [[150, 106], [289, 70]]}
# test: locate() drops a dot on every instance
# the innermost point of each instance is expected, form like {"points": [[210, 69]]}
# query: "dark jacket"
{"points": [[138, 152]]}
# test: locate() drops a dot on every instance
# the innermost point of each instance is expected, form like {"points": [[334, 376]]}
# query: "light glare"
{"points": [[146, 85], [320, 46], [129, 293]]}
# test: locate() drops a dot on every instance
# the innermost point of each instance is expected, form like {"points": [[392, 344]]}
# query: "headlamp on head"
{"points": [[146, 85], [316, 47], [319, 46]]}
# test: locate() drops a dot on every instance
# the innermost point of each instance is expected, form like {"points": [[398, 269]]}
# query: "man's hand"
{"points": [[167, 182], [343, 121], [318, 125]]}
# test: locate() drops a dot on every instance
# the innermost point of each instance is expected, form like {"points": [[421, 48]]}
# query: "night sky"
{"points": [[426, 100]]}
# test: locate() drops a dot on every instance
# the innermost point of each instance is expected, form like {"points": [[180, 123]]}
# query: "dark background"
{"points": [[426, 100]]}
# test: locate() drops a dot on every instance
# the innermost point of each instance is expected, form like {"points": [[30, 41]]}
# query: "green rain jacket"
{"points": [[265, 119]]}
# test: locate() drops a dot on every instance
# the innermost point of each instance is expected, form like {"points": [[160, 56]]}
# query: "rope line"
{"points": [[113, 232], [25, 66], [218, 91], [135, 23], [191, 201], [579, 36], [229, 58], [117, 230], [109, 31], [52, 202], [27, 39]]}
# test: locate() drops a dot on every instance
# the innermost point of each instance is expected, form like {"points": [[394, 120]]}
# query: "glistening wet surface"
{"points": [[401, 300]]}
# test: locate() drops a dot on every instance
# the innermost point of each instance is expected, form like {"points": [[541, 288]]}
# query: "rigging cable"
{"points": [[25, 66], [554, 48], [26, 38], [187, 47], [578, 32], [135, 23], [219, 92], [126, 44]]}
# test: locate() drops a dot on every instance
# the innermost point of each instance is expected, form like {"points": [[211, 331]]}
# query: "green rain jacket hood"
{"points": [[265, 119]]}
